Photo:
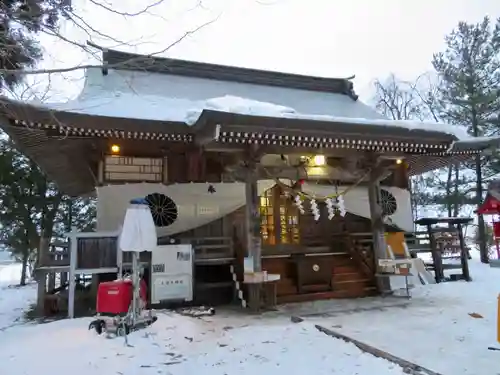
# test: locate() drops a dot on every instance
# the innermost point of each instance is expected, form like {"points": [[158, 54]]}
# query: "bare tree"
{"points": [[398, 100], [418, 100], [69, 27]]}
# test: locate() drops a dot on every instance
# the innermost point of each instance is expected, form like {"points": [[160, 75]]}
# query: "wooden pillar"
{"points": [[436, 253], [64, 278], [73, 244], [378, 226], [119, 255], [41, 275], [464, 256], [252, 227], [252, 218], [41, 291], [51, 284]]}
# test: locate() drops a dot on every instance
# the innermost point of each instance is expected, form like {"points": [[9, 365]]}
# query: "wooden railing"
{"points": [[96, 252], [212, 249], [54, 255], [361, 249], [92, 252]]}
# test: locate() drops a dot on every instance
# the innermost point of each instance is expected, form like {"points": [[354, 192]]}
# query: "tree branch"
{"points": [[110, 66]]}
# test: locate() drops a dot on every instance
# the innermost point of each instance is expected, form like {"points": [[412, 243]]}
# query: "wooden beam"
{"points": [[72, 272], [378, 227], [252, 217]]}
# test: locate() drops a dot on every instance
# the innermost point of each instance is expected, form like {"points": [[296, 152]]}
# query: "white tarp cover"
{"points": [[138, 231], [356, 202], [197, 206]]}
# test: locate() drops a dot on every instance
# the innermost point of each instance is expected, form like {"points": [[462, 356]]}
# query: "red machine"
{"points": [[115, 297], [491, 206], [121, 304], [115, 312]]}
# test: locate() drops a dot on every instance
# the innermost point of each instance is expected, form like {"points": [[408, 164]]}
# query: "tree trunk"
{"points": [[456, 193], [24, 267], [483, 248], [449, 197]]}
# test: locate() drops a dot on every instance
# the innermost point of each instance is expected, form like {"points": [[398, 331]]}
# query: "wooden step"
{"points": [[354, 284], [211, 285], [315, 288], [352, 268], [348, 276], [344, 259], [285, 287], [367, 292]]}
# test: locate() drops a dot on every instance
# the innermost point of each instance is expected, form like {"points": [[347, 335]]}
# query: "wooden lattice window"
{"points": [[124, 168], [267, 224], [279, 218], [289, 221]]}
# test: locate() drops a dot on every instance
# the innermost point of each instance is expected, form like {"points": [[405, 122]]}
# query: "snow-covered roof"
{"points": [[187, 102], [165, 97], [170, 98]]}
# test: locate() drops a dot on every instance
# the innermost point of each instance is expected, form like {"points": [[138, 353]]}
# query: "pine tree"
{"points": [[469, 69], [20, 21], [30, 204]]}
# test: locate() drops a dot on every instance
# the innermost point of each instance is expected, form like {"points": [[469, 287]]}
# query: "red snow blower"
{"points": [[115, 308], [116, 311], [121, 304]]}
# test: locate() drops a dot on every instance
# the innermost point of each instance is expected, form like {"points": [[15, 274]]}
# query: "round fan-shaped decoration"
{"points": [[163, 209], [388, 202]]}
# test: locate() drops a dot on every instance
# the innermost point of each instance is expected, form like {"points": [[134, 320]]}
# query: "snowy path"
{"points": [[173, 345], [436, 330], [181, 345], [13, 300]]}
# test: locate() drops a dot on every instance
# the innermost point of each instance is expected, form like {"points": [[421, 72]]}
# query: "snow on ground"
{"points": [[217, 345], [436, 330], [182, 345], [5, 257], [13, 300]]}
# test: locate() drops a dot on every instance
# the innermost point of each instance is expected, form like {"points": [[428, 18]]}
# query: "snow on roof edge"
{"points": [[191, 111]]}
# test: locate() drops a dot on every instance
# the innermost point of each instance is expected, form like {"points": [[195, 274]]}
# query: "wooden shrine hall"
{"points": [[277, 172]]}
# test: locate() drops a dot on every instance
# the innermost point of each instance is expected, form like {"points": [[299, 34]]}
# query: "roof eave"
{"points": [[269, 124], [476, 144]]}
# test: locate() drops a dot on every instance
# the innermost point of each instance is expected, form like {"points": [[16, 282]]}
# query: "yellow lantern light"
{"points": [[319, 160], [115, 149]]}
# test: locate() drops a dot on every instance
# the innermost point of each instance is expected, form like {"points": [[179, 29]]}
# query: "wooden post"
{"points": [[119, 255], [41, 274], [464, 258], [41, 291], [252, 219], [73, 248], [437, 259], [378, 227], [252, 227], [51, 284]]}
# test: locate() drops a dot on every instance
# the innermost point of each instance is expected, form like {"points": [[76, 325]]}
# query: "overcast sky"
{"points": [[336, 38]]}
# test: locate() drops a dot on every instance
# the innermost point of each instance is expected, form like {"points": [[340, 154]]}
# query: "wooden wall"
{"points": [[199, 166], [312, 233], [195, 166], [345, 266]]}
